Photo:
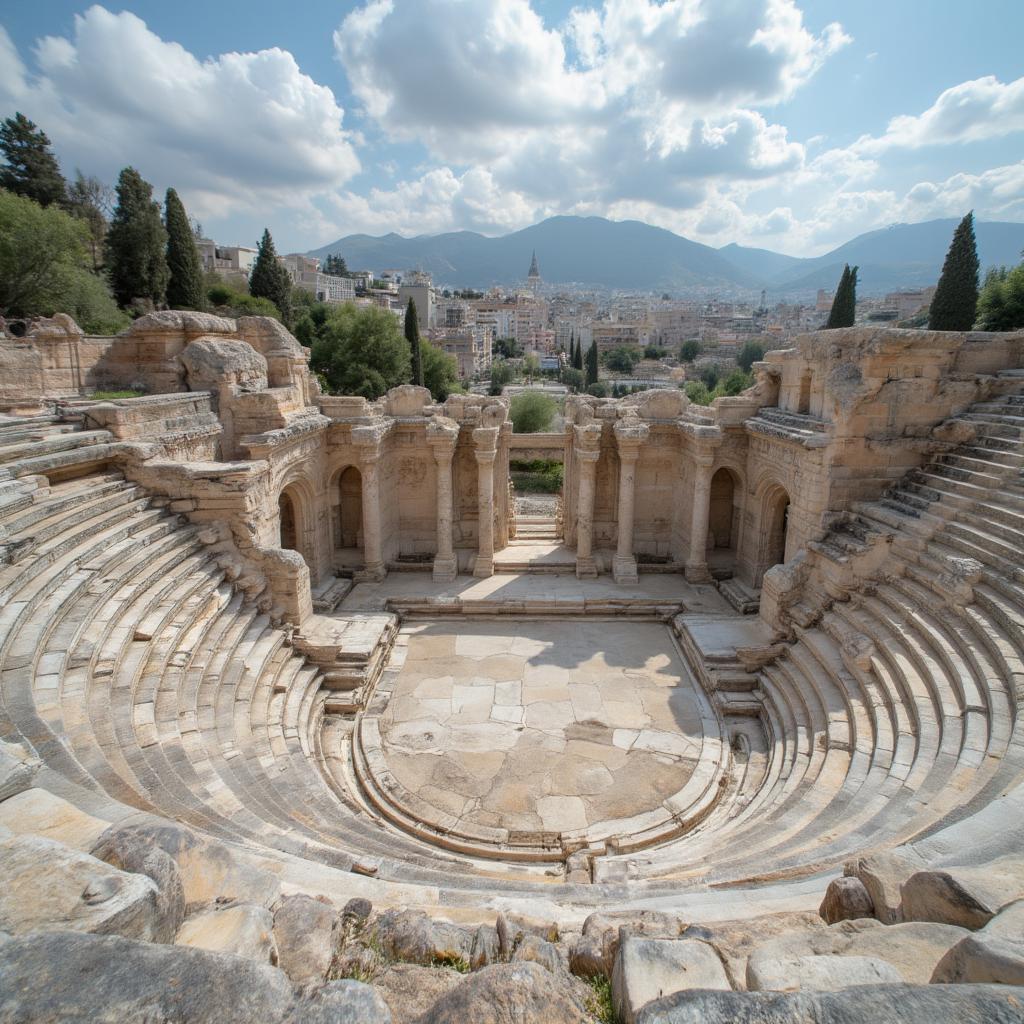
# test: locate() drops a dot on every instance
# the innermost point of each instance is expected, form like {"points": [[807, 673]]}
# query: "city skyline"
{"points": [[761, 122]]}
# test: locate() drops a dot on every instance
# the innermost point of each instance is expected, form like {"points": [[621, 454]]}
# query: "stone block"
{"points": [[769, 973], [243, 929]]}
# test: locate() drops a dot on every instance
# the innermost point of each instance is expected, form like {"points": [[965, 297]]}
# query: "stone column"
{"points": [[629, 436], [442, 439], [368, 440], [588, 451], [697, 562], [486, 439]]}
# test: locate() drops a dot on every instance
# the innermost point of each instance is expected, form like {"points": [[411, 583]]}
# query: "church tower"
{"points": [[533, 277]]}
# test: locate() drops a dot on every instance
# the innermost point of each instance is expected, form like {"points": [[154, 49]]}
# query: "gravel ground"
{"points": [[536, 505]]}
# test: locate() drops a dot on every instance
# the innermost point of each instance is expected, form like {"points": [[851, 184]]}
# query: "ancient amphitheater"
{"points": [[300, 723]]}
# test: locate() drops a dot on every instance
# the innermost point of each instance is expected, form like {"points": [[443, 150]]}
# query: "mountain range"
{"points": [[593, 251]]}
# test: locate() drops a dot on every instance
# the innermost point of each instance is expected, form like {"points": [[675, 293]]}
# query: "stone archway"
{"points": [[775, 525], [289, 531], [724, 519], [347, 518]]}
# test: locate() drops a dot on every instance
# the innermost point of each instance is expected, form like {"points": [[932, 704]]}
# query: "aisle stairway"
{"points": [[137, 673]]}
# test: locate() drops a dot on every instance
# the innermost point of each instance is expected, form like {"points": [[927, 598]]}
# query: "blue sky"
{"points": [[775, 123]]}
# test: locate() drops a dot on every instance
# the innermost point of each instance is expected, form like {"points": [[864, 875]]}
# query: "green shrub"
{"points": [[532, 412]]}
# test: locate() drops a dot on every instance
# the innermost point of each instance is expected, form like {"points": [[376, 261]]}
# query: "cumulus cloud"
{"points": [[984, 108], [235, 131]]}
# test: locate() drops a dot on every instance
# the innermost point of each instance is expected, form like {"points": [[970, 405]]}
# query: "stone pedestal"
{"points": [[697, 560]]}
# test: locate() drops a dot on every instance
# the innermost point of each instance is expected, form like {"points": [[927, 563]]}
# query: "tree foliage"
{"points": [[689, 350], [844, 305], [136, 243], [622, 359], [185, 283], [440, 371], [501, 374], [361, 351], [577, 356], [228, 301], [92, 202], [507, 348], [412, 335], [532, 412], [334, 264], [44, 267], [593, 368], [30, 169], [1001, 302], [955, 302], [269, 279], [573, 378], [751, 352]]}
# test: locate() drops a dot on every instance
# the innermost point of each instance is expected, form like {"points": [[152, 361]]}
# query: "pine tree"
{"points": [[269, 279], [955, 302], [412, 335], [136, 243], [185, 285], [30, 169], [592, 368], [844, 305]]}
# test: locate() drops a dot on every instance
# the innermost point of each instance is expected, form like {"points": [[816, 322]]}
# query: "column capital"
{"points": [[587, 435], [587, 455], [369, 436], [486, 440], [631, 433]]}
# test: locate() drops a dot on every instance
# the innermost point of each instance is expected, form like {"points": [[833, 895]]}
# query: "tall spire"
{"points": [[534, 273]]}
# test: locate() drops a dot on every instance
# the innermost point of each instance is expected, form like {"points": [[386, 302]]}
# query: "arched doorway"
{"points": [[723, 523], [803, 402], [776, 526], [347, 508], [288, 524]]}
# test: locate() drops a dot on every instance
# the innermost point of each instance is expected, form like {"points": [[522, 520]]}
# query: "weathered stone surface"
{"points": [[212, 362], [878, 1004], [734, 941], [70, 978], [17, 769], [969, 897], [769, 973], [486, 947], [411, 989], [209, 870], [587, 958], [308, 933], [38, 812], [993, 954], [358, 909], [137, 853], [846, 899], [607, 928], [413, 937], [244, 929], [521, 993], [883, 875], [647, 969], [48, 885], [534, 950]]}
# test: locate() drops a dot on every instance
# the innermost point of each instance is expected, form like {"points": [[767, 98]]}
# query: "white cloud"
{"points": [[984, 108], [236, 131]]}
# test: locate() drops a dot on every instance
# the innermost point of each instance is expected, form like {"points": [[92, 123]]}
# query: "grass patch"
{"points": [[454, 963], [103, 396], [599, 1005]]}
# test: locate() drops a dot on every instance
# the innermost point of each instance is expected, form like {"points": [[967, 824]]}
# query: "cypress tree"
{"points": [[412, 335], [955, 302], [577, 359], [185, 284], [30, 169], [592, 368], [269, 279], [844, 305], [136, 243]]}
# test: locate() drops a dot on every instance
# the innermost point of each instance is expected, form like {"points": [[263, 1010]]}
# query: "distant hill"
{"points": [[632, 255]]}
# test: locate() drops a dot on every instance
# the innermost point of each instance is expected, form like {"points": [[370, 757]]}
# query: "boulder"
{"points": [[131, 851], [605, 929], [211, 363], [846, 899], [969, 897], [522, 993], [734, 941], [17, 769], [647, 969], [993, 954], [411, 936], [486, 948], [530, 949], [410, 990], [769, 973], [48, 885], [209, 870], [244, 929], [308, 933], [878, 1004], [587, 958], [358, 909], [883, 875], [71, 978]]}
